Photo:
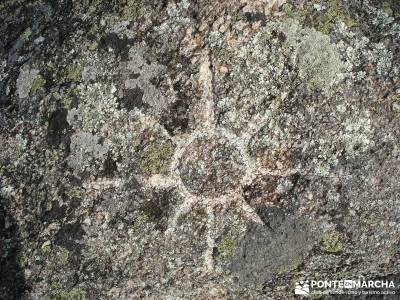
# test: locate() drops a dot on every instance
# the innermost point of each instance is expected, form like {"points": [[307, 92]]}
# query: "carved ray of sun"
{"points": [[211, 165]]}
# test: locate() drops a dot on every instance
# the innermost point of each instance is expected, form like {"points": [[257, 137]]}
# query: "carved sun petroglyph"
{"points": [[211, 165]]}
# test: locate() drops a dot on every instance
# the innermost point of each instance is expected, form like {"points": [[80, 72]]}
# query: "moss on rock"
{"points": [[326, 20], [76, 192], [133, 10], [26, 34], [74, 72], [61, 256], [227, 248], [332, 241], [322, 15], [58, 293], [38, 84], [156, 157]]}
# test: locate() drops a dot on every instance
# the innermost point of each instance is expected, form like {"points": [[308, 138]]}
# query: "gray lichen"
{"points": [[87, 153], [25, 81], [98, 106], [145, 72], [176, 19]]}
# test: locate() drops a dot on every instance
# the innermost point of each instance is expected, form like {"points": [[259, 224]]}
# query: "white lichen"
{"points": [[98, 106], [176, 20]]}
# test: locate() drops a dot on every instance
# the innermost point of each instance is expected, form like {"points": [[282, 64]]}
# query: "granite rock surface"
{"points": [[197, 149]]}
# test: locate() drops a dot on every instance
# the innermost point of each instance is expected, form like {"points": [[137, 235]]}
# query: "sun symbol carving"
{"points": [[211, 165]]}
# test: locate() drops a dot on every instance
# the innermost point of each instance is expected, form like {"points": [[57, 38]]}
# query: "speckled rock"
{"points": [[197, 149]]}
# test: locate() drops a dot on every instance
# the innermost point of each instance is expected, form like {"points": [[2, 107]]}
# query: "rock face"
{"points": [[210, 166], [197, 149]]}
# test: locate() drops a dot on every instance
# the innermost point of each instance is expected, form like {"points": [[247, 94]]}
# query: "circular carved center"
{"points": [[211, 166]]}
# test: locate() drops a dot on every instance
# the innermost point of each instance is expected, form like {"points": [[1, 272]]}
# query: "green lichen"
{"points": [[65, 100], [332, 241], [37, 85], [344, 274], [317, 59], [46, 247], [391, 251], [94, 30], [261, 66], [62, 256], [140, 221], [315, 296], [288, 269], [55, 257], [386, 7], [22, 260], [58, 293], [132, 10], [181, 219], [227, 247], [259, 288], [322, 15], [75, 191], [93, 46], [315, 84], [26, 34], [372, 219], [74, 72], [325, 21], [156, 157], [91, 5]]}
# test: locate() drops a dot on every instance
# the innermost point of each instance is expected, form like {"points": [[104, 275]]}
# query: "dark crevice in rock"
{"points": [[12, 279], [176, 118], [133, 98], [58, 129], [117, 44], [68, 235]]}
